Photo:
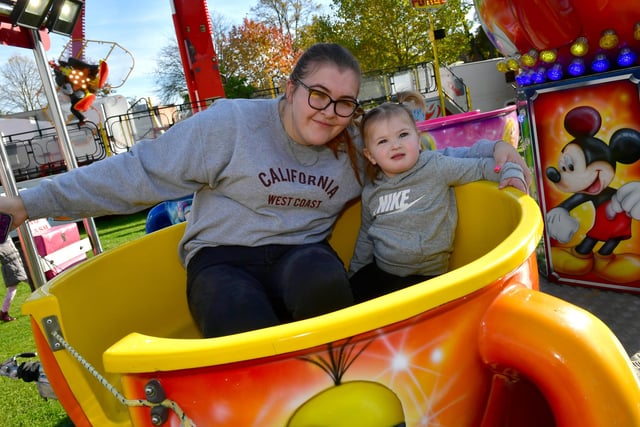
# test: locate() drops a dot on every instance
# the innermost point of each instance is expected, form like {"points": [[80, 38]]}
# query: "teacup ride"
{"points": [[478, 346]]}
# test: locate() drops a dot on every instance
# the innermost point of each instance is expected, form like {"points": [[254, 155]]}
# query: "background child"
{"points": [[415, 102], [13, 273], [409, 210]]}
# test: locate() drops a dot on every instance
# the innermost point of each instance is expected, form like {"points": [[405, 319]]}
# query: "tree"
{"points": [[21, 88], [289, 16], [237, 87], [172, 84], [169, 71], [259, 53], [383, 34], [234, 86], [169, 74], [392, 33], [481, 47], [220, 26]]}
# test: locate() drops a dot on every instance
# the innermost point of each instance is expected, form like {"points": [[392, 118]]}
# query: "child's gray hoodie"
{"points": [[409, 220]]}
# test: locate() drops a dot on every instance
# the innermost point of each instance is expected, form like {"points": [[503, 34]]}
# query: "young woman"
{"points": [[269, 178], [409, 211]]}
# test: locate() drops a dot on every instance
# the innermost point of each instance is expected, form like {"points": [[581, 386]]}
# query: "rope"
{"points": [[185, 421]]}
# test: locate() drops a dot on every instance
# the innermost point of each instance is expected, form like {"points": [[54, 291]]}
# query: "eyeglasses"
{"points": [[319, 100]]}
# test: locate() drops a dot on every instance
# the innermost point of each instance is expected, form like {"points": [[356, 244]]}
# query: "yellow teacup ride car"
{"points": [[478, 346]]}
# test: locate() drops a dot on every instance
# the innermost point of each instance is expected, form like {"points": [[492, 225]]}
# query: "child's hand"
{"points": [[504, 152], [515, 183]]}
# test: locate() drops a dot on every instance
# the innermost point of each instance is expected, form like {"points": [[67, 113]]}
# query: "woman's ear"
{"points": [[288, 92]]}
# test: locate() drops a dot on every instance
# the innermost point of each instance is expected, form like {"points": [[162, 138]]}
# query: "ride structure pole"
{"points": [[199, 60], [64, 141], [24, 232], [436, 64], [429, 6]]}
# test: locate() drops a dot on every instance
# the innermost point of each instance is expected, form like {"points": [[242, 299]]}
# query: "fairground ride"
{"points": [[27, 24]]}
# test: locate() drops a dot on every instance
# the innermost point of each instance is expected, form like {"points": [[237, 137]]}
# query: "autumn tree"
{"points": [[21, 86], [259, 53], [383, 34], [289, 16]]}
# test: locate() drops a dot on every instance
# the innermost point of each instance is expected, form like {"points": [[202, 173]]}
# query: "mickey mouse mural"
{"points": [[79, 81], [586, 167]]}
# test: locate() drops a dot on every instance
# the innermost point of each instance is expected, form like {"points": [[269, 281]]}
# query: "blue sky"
{"points": [[142, 28]]}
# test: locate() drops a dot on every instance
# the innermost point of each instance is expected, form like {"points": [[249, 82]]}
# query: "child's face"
{"points": [[392, 143]]}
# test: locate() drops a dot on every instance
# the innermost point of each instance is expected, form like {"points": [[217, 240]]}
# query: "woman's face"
{"points": [[310, 126]]}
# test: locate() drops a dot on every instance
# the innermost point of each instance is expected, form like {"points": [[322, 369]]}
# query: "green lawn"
{"points": [[20, 403]]}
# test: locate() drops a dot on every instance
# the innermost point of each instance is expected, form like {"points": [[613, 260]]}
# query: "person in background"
{"points": [[13, 273], [415, 102], [269, 178], [409, 213]]}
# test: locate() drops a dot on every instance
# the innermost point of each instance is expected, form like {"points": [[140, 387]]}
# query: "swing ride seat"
{"points": [[478, 346]]}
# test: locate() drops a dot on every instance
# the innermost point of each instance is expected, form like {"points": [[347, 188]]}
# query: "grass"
{"points": [[20, 402]]}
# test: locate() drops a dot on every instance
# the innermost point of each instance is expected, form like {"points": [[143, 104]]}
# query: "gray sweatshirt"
{"points": [[252, 184], [409, 220]]}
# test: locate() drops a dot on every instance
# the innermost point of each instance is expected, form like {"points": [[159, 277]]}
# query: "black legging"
{"points": [[371, 282], [233, 289]]}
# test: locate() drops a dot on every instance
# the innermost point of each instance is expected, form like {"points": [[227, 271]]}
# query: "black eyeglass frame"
{"points": [[335, 102]]}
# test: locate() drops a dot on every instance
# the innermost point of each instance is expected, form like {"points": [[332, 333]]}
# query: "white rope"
{"points": [[185, 421]]}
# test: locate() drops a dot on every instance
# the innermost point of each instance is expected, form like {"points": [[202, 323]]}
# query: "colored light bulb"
{"points": [[626, 57], [502, 66], [538, 76], [609, 39], [636, 31], [576, 67], [555, 73], [600, 64], [548, 56], [513, 64], [580, 47], [530, 58], [524, 78]]}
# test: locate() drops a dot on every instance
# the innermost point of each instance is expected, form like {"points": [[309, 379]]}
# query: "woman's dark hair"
{"points": [[322, 54], [333, 54]]}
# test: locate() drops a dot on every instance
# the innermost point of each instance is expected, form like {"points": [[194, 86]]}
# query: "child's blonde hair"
{"points": [[415, 102]]}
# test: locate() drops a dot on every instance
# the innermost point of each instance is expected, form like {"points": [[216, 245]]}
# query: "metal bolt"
{"points": [[156, 419], [149, 391], [159, 415], [154, 392]]}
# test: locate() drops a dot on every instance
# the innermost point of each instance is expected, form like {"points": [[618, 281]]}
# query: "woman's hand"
{"points": [[504, 152], [13, 206]]}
